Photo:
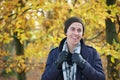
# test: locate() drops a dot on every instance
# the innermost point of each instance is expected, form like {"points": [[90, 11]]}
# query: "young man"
{"points": [[73, 60]]}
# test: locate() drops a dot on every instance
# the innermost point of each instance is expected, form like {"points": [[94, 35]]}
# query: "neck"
{"points": [[71, 48]]}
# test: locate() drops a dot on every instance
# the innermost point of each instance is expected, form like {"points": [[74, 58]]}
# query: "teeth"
{"points": [[74, 37]]}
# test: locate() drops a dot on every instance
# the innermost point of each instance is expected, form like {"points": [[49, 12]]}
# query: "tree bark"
{"points": [[111, 35], [19, 51]]}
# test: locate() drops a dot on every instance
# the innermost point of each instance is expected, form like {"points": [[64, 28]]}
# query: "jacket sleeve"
{"points": [[50, 72], [94, 71]]}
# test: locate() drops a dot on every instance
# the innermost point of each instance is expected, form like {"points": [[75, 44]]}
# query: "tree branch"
{"points": [[118, 23], [95, 36]]}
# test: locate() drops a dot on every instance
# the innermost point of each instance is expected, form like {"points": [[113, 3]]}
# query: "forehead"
{"points": [[76, 25]]}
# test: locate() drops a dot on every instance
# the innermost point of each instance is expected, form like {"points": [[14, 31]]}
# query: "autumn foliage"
{"points": [[38, 25]]}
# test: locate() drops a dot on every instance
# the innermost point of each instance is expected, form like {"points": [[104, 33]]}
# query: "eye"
{"points": [[78, 30], [72, 28]]}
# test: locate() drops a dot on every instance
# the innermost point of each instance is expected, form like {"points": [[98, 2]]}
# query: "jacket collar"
{"points": [[84, 49]]}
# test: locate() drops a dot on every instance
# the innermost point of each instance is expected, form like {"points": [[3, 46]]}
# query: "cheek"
{"points": [[81, 34], [67, 33]]}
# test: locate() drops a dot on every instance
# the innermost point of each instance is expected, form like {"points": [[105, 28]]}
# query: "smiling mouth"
{"points": [[74, 39]]}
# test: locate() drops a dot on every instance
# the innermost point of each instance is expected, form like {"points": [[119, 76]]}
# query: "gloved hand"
{"points": [[78, 59], [61, 57]]}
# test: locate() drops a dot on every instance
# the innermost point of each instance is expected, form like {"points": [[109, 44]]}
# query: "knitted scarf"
{"points": [[69, 71]]}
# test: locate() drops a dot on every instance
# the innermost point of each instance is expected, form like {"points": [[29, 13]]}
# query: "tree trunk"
{"points": [[111, 36], [19, 51], [21, 76]]}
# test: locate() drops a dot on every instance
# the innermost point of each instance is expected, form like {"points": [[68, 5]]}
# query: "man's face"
{"points": [[74, 33]]}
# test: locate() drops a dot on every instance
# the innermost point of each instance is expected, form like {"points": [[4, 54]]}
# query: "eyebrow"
{"points": [[74, 27]]}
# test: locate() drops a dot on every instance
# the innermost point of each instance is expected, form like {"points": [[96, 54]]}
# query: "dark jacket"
{"points": [[93, 69]]}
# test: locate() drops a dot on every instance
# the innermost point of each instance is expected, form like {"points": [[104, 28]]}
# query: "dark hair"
{"points": [[70, 20]]}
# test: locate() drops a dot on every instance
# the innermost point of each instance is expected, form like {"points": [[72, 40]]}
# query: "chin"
{"points": [[75, 43]]}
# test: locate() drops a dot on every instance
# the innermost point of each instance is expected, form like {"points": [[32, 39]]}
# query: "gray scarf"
{"points": [[69, 71]]}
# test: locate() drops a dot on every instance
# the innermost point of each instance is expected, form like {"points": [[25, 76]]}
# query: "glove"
{"points": [[78, 59], [61, 58]]}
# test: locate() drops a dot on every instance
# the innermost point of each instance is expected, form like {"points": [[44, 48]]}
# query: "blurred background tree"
{"points": [[30, 28]]}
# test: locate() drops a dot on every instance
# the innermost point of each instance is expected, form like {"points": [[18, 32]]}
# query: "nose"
{"points": [[76, 32]]}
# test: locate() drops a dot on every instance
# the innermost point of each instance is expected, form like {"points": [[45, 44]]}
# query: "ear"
{"points": [[65, 34], [82, 34]]}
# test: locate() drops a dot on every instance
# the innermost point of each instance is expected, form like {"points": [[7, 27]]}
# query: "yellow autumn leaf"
{"points": [[27, 69], [18, 70], [8, 70], [23, 65], [112, 60]]}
